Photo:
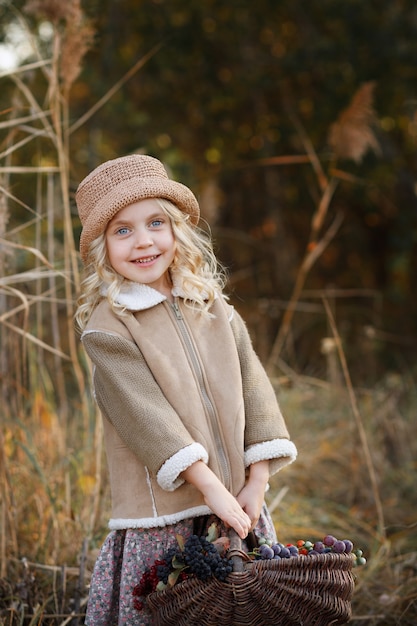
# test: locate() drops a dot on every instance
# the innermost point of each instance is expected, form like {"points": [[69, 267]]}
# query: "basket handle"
{"points": [[235, 552]]}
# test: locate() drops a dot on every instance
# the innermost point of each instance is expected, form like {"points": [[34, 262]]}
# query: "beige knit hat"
{"points": [[116, 184]]}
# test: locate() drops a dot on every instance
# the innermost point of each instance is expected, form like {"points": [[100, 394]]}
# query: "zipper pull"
{"points": [[177, 310]]}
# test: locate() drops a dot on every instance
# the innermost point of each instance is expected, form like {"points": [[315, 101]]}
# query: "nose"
{"points": [[143, 239]]}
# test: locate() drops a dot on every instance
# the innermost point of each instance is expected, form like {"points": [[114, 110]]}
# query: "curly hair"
{"points": [[195, 270]]}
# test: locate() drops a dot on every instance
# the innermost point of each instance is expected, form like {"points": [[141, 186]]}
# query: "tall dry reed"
{"points": [[44, 378], [51, 465]]}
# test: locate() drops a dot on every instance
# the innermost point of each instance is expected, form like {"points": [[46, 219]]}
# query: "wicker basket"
{"points": [[309, 591]]}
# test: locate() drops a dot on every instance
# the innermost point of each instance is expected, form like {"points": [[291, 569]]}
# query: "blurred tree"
{"points": [[216, 103], [234, 85]]}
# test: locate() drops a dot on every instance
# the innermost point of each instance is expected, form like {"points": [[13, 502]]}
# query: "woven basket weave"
{"points": [[309, 591]]}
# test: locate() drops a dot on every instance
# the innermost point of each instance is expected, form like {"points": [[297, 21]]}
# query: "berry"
{"points": [[146, 585], [339, 546], [348, 545], [329, 540], [203, 559], [266, 552], [319, 547], [293, 550]]}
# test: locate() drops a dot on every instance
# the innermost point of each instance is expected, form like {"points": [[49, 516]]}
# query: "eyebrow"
{"points": [[159, 215]]}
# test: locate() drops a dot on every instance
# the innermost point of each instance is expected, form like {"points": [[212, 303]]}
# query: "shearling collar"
{"points": [[138, 297]]}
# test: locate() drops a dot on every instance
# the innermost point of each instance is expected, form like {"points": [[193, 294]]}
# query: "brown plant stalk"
{"points": [[313, 251], [350, 137], [359, 422]]}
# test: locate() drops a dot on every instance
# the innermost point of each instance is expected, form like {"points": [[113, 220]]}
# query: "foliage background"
{"points": [[218, 98], [296, 126]]}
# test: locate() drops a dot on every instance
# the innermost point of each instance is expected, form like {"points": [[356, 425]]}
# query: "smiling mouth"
{"points": [[147, 259]]}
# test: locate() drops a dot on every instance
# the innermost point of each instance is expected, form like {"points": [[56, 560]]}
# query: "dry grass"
{"points": [[328, 489], [49, 561]]}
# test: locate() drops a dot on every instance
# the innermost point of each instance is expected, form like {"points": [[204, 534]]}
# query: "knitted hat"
{"points": [[116, 184]]}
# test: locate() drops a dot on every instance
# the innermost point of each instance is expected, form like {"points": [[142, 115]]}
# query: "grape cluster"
{"points": [[197, 556], [147, 584], [268, 550], [164, 567], [203, 559]]}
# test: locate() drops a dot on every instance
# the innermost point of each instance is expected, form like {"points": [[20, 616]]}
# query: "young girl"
{"points": [[191, 423]]}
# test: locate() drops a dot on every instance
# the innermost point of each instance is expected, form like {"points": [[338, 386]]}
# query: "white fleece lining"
{"points": [[163, 520], [137, 296], [168, 475], [282, 449]]}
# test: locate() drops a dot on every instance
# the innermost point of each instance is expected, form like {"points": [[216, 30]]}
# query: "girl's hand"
{"points": [[251, 499], [252, 496], [228, 509], [218, 498]]}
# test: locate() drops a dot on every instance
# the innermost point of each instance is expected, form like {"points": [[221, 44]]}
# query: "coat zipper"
{"points": [[206, 399]]}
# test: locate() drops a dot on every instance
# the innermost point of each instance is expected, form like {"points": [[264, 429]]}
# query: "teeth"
{"points": [[149, 258]]}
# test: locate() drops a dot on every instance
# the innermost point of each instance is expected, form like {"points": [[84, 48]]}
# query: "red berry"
{"points": [[138, 605]]}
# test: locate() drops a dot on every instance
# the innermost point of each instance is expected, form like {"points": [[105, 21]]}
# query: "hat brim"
{"points": [[128, 192]]}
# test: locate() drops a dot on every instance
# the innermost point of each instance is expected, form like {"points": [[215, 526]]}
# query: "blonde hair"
{"points": [[195, 269]]}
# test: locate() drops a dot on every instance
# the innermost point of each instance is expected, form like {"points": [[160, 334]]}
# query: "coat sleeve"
{"points": [[266, 434], [130, 398]]}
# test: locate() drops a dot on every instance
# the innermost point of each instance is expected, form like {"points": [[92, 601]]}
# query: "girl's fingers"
{"points": [[242, 527]]}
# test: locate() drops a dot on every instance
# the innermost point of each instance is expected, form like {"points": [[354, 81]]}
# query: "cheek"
{"points": [[113, 252], [169, 242]]}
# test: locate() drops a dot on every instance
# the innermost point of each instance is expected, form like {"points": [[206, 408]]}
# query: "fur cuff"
{"points": [[279, 452], [168, 475]]}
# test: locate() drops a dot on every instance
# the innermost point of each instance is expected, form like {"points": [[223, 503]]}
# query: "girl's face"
{"points": [[141, 245]]}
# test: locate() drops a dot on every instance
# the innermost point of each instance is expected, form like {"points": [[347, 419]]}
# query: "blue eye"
{"points": [[156, 223], [123, 231]]}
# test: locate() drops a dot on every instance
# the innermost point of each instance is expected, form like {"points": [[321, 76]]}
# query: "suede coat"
{"points": [[175, 387]]}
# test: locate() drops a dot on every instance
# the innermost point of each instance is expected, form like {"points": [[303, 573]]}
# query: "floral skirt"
{"points": [[123, 558]]}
